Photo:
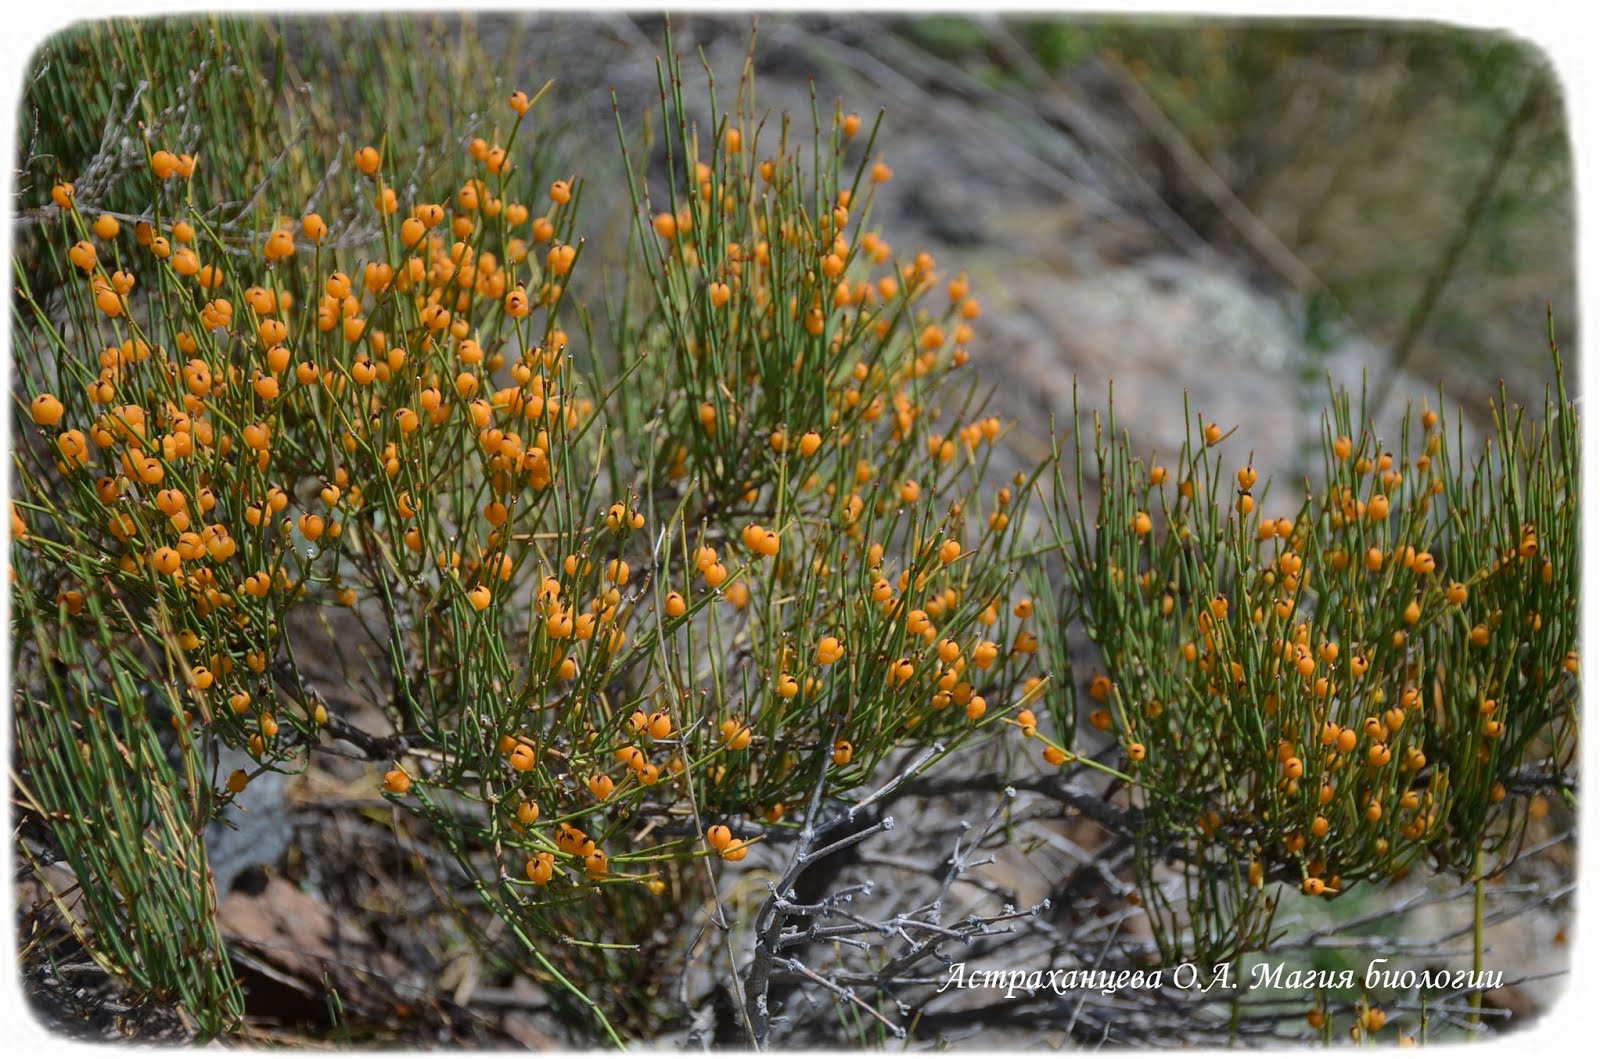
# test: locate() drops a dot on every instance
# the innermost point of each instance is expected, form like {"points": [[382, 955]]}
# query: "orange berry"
{"points": [[83, 255], [736, 735], [46, 410], [541, 867]]}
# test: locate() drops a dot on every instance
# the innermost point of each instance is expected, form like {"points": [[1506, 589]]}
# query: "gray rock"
{"points": [[254, 831]]}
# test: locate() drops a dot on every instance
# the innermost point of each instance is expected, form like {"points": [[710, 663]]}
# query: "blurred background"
{"points": [[1232, 210]]}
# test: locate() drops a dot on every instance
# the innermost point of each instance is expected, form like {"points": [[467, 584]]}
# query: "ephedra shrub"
{"points": [[1329, 688], [633, 601]]}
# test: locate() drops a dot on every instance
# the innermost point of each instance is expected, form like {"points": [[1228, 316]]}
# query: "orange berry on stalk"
{"points": [[851, 125], [601, 787], [560, 259], [46, 410], [520, 102], [541, 867], [1055, 755], [736, 735], [395, 781], [280, 245], [675, 605], [718, 836], [83, 255], [810, 442], [368, 160], [843, 752], [522, 757]]}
